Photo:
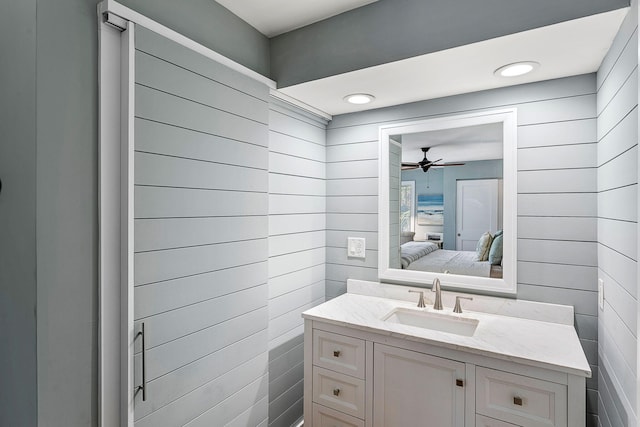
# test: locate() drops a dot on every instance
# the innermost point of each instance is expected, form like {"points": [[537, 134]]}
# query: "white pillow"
{"points": [[483, 247]]}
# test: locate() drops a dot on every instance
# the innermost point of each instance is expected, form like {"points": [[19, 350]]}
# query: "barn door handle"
{"points": [[143, 386]]}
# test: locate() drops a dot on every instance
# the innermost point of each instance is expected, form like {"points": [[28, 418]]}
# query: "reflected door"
{"points": [[476, 211]]}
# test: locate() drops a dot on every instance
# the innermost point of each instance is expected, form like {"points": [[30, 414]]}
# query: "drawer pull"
{"points": [[336, 392], [336, 353], [517, 401], [460, 383]]}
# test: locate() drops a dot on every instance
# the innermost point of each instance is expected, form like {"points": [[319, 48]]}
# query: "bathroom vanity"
{"points": [[374, 359]]}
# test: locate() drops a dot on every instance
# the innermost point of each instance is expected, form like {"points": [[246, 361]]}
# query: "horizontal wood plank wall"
{"points": [[201, 240], [557, 243], [297, 249], [617, 160]]}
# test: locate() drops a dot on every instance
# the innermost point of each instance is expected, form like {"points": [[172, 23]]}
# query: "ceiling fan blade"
{"points": [[449, 164], [431, 162], [410, 166]]}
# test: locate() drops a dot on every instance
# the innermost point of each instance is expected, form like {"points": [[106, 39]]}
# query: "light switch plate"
{"points": [[355, 247], [601, 294]]}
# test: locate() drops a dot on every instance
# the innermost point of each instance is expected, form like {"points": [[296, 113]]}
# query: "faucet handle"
{"points": [[458, 308], [421, 303]]}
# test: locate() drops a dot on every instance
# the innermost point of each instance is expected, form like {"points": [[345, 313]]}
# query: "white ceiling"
{"points": [[566, 49], [464, 144], [274, 17]]}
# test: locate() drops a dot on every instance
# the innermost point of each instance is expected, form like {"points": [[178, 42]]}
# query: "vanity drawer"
{"points": [[338, 391], [338, 353], [520, 400], [327, 417], [482, 421]]}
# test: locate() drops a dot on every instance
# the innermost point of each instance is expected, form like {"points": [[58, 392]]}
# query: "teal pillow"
{"points": [[498, 233], [495, 253], [483, 246]]}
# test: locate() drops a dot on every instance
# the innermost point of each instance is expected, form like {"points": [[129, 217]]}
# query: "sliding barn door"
{"points": [[196, 208]]}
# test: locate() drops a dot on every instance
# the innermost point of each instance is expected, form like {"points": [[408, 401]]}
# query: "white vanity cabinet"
{"points": [[359, 378], [413, 389]]}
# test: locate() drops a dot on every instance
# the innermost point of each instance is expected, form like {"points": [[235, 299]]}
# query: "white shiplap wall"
{"points": [[557, 249], [617, 107], [297, 248], [200, 256]]}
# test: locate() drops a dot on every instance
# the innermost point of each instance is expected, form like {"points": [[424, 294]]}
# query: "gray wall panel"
{"points": [[291, 243], [297, 248], [65, 121], [173, 263], [285, 224], [619, 171], [619, 203], [154, 105], [181, 80], [625, 100], [171, 294], [367, 122], [617, 104], [246, 356], [621, 138], [557, 228], [161, 202], [193, 245], [164, 171], [557, 134], [18, 163], [557, 189], [557, 181], [171, 233], [160, 138], [557, 157], [289, 282], [156, 45]]}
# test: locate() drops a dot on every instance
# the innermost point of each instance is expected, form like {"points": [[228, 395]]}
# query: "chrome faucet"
{"points": [[458, 308], [437, 305], [421, 303]]}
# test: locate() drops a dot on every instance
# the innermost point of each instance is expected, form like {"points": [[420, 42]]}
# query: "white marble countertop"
{"points": [[549, 345]]}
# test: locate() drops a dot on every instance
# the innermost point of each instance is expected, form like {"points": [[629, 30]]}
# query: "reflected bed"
{"points": [[426, 256]]}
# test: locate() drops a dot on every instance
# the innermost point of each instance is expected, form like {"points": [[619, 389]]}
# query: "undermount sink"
{"points": [[434, 321]]}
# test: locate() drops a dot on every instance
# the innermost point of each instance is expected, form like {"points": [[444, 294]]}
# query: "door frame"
{"points": [[116, 28]]}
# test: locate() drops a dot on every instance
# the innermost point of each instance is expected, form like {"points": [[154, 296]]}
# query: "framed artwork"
{"points": [[430, 209]]}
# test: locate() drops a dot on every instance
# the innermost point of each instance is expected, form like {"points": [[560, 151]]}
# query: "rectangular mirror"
{"points": [[447, 202]]}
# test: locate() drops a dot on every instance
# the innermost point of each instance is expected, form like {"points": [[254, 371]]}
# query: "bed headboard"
{"points": [[406, 236]]}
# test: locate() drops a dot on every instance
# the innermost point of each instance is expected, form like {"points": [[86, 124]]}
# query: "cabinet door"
{"points": [[415, 389]]}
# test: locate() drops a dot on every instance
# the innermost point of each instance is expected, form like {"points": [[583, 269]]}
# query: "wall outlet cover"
{"points": [[355, 247]]}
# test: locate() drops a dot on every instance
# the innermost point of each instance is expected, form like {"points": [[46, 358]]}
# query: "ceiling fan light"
{"points": [[516, 69], [359, 98]]}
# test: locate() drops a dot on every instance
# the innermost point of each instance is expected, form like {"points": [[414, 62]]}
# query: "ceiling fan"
{"points": [[425, 164]]}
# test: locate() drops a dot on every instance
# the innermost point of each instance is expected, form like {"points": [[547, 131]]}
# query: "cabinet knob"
{"points": [[336, 353], [336, 391], [460, 383], [517, 401]]}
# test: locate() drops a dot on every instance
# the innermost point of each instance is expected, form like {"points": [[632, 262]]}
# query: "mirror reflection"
{"points": [[446, 201]]}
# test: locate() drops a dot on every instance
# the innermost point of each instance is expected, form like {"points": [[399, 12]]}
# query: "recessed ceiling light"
{"points": [[359, 98], [516, 69]]}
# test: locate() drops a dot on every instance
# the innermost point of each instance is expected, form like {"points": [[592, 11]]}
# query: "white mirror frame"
{"points": [[508, 284]]}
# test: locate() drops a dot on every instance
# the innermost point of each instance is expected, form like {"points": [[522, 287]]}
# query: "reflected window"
{"points": [[407, 205]]}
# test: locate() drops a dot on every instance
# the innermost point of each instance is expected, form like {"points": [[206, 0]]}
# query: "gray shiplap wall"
{"points": [[18, 347], [200, 255], [557, 256], [297, 248], [617, 161]]}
